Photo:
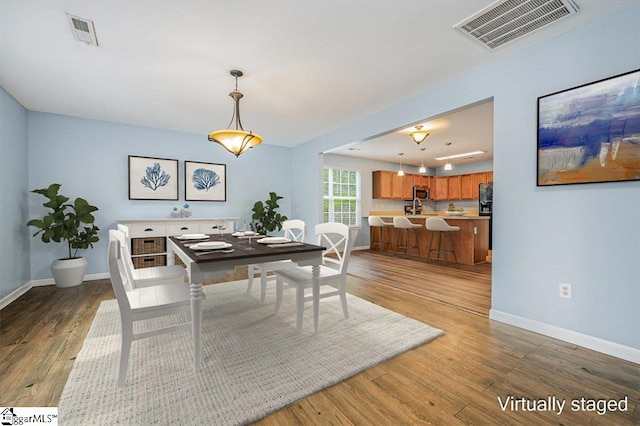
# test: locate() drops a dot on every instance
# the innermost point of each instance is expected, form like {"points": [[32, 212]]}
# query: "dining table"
{"points": [[232, 251]]}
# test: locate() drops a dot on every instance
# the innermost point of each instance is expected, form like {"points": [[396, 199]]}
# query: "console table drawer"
{"points": [[184, 228], [148, 230], [149, 261], [148, 245]]}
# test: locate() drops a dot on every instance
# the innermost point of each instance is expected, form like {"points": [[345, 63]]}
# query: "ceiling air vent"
{"points": [[507, 20], [83, 30]]}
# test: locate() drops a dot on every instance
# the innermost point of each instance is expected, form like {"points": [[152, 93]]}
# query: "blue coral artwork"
{"points": [[205, 181], [153, 178]]}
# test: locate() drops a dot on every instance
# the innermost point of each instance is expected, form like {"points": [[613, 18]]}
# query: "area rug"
{"points": [[254, 361]]}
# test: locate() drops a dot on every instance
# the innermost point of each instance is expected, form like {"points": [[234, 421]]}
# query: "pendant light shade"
{"points": [[422, 168], [401, 171], [448, 166], [418, 135], [234, 138]]}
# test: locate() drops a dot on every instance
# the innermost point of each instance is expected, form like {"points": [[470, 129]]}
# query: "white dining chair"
{"points": [[153, 275], [295, 230], [137, 304], [336, 238]]}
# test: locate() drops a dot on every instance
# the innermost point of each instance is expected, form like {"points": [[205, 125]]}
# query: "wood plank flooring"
{"points": [[455, 379]]}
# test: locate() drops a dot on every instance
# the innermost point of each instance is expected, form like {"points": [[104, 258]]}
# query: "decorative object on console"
{"points": [[205, 181], [153, 178], [418, 135], [73, 223], [237, 140], [175, 213], [185, 211], [265, 217], [590, 133]]}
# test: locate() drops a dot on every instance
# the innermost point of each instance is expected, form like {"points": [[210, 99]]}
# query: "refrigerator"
{"points": [[485, 205]]}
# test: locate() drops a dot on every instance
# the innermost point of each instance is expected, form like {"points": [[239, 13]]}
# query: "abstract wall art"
{"points": [[153, 178], [205, 181], [590, 133]]}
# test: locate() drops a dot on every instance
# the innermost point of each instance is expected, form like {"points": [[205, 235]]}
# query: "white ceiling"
{"points": [[310, 66]]}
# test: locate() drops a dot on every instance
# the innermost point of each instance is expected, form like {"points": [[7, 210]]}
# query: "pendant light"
{"points": [[235, 140], [448, 166], [418, 135], [422, 168], [401, 172]]}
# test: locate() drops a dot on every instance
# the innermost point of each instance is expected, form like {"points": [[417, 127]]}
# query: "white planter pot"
{"points": [[69, 272]]}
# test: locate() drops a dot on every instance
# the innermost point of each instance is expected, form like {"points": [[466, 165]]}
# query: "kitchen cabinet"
{"points": [[147, 238], [388, 185], [466, 187], [440, 190], [489, 177], [478, 178], [455, 187], [381, 184]]}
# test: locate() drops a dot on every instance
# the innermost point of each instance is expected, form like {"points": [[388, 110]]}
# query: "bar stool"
{"points": [[438, 224], [403, 224], [377, 222]]}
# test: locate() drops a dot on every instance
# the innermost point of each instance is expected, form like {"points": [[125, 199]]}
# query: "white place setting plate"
{"points": [[273, 240], [211, 245], [192, 237]]}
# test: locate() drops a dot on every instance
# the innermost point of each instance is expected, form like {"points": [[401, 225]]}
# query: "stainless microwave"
{"points": [[420, 192]]}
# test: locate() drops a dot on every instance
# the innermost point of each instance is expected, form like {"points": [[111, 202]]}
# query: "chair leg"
{"points": [[343, 298], [299, 306], [430, 243], [440, 244], [125, 349], [278, 294], [417, 241], [397, 241]]}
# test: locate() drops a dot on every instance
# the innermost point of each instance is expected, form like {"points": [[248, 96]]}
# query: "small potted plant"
{"points": [[70, 222], [265, 216]]}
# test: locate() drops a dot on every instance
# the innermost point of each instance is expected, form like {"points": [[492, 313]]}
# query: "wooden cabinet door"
{"points": [[466, 187], [397, 186], [409, 182], [489, 177], [381, 184], [440, 188], [455, 188], [478, 178]]}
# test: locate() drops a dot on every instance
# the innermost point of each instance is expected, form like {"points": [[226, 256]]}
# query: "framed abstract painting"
{"points": [[590, 133], [153, 178], [205, 181]]}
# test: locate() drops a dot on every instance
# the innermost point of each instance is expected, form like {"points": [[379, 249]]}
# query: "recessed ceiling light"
{"points": [[459, 155]]}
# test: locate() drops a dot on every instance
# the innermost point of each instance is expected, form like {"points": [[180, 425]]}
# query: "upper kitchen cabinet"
{"points": [[381, 184], [388, 185]]}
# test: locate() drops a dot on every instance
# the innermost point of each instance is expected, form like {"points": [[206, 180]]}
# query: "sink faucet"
{"points": [[413, 210]]}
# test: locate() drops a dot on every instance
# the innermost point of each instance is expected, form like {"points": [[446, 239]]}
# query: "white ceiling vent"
{"points": [[507, 20], [83, 30]]}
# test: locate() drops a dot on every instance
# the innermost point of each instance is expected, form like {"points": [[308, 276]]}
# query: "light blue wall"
{"points": [[586, 235], [14, 243], [90, 159]]}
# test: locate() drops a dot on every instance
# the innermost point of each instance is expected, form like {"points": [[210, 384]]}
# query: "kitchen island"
{"points": [[471, 242]]}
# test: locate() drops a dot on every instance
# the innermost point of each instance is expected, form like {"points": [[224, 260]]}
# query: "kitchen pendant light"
{"points": [[235, 140], [448, 166], [401, 172], [418, 135], [422, 168]]}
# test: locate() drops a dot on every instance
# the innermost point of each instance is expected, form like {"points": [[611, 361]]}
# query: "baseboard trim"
{"points": [[595, 343], [14, 295]]}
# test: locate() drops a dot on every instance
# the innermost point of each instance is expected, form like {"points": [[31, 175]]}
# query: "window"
{"points": [[342, 196]]}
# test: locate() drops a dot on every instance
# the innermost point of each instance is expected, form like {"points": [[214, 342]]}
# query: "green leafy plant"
{"points": [[70, 222], [265, 217]]}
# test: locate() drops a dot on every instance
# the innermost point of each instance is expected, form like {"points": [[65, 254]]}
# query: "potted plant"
{"points": [[265, 217], [70, 222]]}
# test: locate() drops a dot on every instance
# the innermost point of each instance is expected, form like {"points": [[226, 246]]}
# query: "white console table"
{"points": [[147, 238]]}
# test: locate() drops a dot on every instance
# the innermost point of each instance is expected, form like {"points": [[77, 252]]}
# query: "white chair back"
{"points": [[402, 222], [125, 257], [295, 230], [335, 237], [115, 272], [439, 224], [376, 221]]}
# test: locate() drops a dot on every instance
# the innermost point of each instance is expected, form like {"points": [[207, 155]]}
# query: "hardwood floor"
{"points": [[455, 379]]}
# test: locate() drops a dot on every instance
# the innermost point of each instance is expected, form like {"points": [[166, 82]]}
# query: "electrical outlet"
{"points": [[565, 290]]}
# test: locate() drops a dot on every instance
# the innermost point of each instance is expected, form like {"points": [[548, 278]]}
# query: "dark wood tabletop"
{"points": [[243, 248]]}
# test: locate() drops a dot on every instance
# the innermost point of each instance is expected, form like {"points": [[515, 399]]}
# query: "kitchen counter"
{"points": [[471, 242]]}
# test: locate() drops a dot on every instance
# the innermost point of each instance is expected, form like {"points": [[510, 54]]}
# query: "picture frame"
{"points": [[153, 178], [590, 133], [205, 181]]}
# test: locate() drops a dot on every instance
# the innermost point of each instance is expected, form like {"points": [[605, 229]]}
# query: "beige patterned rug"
{"points": [[254, 361]]}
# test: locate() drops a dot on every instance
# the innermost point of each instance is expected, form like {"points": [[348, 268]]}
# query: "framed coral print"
{"points": [[205, 181], [153, 178], [590, 133]]}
